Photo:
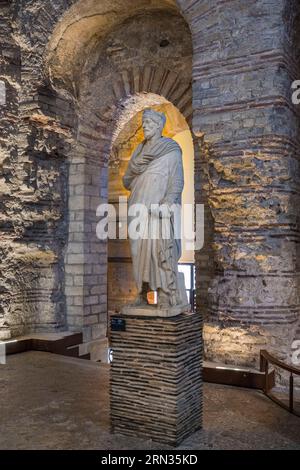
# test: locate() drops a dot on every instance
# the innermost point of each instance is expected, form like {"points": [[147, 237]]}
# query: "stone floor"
{"points": [[55, 402]]}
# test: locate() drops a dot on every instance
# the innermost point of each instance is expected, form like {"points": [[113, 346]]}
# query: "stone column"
{"points": [[86, 255], [242, 105], [156, 377]]}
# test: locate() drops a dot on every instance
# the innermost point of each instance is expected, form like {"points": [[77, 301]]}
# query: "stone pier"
{"points": [[156, 377]]}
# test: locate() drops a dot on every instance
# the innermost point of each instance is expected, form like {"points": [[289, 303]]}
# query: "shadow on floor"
{"points": [[55, 402]]}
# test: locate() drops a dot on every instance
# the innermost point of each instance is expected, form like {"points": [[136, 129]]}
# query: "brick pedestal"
{"points": [[156, 377]]}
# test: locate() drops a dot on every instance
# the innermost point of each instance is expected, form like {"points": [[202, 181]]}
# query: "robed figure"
{"points": [[154, 177]]}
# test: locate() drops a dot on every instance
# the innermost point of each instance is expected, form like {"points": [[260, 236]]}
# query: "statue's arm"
{"points": [[129, 174], [127, 179], [175, 180]]}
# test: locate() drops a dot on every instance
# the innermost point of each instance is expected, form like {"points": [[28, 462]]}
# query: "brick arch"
{"points": [[85, 20], [52, 19], [253, 131], [158, 80], [99, 126]]}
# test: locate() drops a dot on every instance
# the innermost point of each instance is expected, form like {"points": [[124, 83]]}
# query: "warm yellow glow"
{"points": [[185, 140]]}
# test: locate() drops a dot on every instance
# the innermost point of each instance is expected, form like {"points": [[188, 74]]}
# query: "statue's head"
{"points": [[153, 123]]}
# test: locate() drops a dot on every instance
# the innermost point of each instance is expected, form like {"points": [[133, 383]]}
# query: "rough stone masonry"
{"points": [[70, 72]]}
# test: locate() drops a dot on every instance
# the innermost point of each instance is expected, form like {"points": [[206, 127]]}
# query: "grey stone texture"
{"points": [[72, 72], [65, 405]]}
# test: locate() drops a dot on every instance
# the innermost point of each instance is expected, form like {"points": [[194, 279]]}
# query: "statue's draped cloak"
{"points": [[155, 177]]}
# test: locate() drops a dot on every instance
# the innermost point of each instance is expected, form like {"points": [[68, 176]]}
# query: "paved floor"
{"points": [[55, 402]]}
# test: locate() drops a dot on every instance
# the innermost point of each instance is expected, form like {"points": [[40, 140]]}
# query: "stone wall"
{"points": [[64, 111], [34, 184], [243, 67]]}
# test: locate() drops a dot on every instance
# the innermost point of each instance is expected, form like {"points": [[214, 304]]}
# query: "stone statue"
{"points": [[155, 179]]}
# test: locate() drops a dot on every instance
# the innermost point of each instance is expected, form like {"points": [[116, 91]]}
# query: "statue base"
{"points": [[156, 376], [154, 311]]}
